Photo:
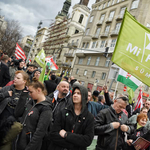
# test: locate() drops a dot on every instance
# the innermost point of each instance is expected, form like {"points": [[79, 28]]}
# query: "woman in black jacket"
{"points": [[73, 128], [36, 117]]}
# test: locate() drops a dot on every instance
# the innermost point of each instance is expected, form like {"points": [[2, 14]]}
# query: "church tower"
{"points": [[84, 2], [65, 9]]}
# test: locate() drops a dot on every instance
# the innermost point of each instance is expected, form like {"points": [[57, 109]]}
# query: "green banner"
{"points": [[132, 51], [40, 58]]}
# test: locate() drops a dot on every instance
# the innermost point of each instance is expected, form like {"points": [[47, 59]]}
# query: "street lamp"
{"points": [[39, 26]]}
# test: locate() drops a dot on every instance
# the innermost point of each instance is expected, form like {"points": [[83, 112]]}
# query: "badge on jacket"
{"points": [[30, 113]]}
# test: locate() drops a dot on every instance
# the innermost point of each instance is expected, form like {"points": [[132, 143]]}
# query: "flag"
{"points": [[40, 58], [132, 50], [42, 75], [139, 100], [128, 79], [19, 53], [50, 62], [130, 94]]}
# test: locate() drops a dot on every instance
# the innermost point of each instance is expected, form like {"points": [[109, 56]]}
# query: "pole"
{"points": [[107, 76], [115, 90]]}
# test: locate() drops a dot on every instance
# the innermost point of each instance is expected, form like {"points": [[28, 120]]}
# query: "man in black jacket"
{"points": [[4, 71], [61, 98], [110, 125]]}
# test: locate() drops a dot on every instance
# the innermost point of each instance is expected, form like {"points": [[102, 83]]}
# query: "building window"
{"points": [[135, 4], [77, 71], [117, 1], [91, 19], [81, 18], [97, 61], [93, 74], [117, 28], [82, 83], [89, 60], [97, 32], [72, 41], [77, 41], [80, 61], [107, 29], [104, 5], [102, 17], [103, 76], [146, 88], [76, 31], [107, 61], [111, 15], [113, 42], [94, 45], [122, 10], [108, 4], [100, 7], [85, 72], [102, 44], [87, 45], [113, 2], [87, 31], [83, 44]]}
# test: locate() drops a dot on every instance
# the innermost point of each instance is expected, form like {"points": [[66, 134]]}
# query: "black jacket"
{"points": [[107, 135], [4, 74], [57, 106], [80, 129], [36, 119], [50, 86]]}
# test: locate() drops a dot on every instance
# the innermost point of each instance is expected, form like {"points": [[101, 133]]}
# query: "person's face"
{"points": [[18, 80], [89, 96], [147, 103], [142, 122], [21, 64], [33, 92], [111, 95], [77, 97], [37, 74], [144, 111], [119, 105], [63, 88], [103, 100], [31, 69]]}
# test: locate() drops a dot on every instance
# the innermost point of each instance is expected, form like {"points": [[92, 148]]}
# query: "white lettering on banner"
{"points": [[148, 58], [141, 71], [134, 50]]}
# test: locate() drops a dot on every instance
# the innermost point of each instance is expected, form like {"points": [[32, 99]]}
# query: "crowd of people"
{"points": [[62, 114]]}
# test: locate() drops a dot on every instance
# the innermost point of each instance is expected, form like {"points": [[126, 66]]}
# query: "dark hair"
{"points": [[37, 84], [145, 107], [100, 97], [24, 74], [89, 90], [141, 116], [4, 57], [124, 98], [53, 77]]}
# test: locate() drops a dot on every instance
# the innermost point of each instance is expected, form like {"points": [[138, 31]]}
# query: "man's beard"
{"points": [[64, 94]]}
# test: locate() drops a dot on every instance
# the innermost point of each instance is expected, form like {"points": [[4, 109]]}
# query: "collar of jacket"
{"points": [[56, 94]]}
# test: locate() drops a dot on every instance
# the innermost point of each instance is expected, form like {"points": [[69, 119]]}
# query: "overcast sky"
{"points": [[30, 12]]}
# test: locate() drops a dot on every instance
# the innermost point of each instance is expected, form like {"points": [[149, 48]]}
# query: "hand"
{"points": [[105, 89], [129, 142], [124, 128], [116, 125], [62, 133], [137, 147], [0, 87], [10, 93]]}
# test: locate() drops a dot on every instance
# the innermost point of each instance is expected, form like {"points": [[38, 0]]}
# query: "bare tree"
{"points": [[10, 36]]}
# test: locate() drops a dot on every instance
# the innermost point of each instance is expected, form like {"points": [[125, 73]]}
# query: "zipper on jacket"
{"points": [[116, 140]]}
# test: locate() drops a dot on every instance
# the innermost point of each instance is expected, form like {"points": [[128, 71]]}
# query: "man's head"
{"points": [[101, 99], [111, 95], [120, 104], [63, 88], [53, 77], [89, 95], [72, 78], [32, 67], [147, 103], [65, 78], [5, 58], [95, 94], [144, 110]]}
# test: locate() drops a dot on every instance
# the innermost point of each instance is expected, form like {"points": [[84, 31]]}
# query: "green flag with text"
{"points": [[132, 50], [40, 58]]}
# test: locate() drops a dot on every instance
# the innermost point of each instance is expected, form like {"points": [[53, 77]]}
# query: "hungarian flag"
{"points": [[19, 53], [50, 62], [139, 100], [127, 79]]}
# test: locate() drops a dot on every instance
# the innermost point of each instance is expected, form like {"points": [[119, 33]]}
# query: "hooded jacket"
{"points": [[80, 129], [36, 120]]}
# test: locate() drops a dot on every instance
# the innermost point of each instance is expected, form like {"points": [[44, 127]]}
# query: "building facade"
{"points": [[94, 60]]}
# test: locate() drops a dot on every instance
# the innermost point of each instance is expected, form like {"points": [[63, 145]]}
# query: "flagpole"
{"points": [[115, 90], [107, 76]]}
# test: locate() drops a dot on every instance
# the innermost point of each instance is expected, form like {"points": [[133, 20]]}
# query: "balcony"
{"points": [[100, 23], [73, 44], [95, 37], [109, 20], [69, 55], [119, 17], [114, 33], [104, 35]]}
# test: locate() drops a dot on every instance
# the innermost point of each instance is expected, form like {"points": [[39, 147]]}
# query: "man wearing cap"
{"points": [[95, 95]]}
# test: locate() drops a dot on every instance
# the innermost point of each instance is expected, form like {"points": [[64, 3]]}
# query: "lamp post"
{"points": [[39, 26]]}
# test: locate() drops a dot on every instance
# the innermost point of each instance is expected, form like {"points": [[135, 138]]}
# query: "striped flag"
{"points": [[139, 100], [19, 53]]}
